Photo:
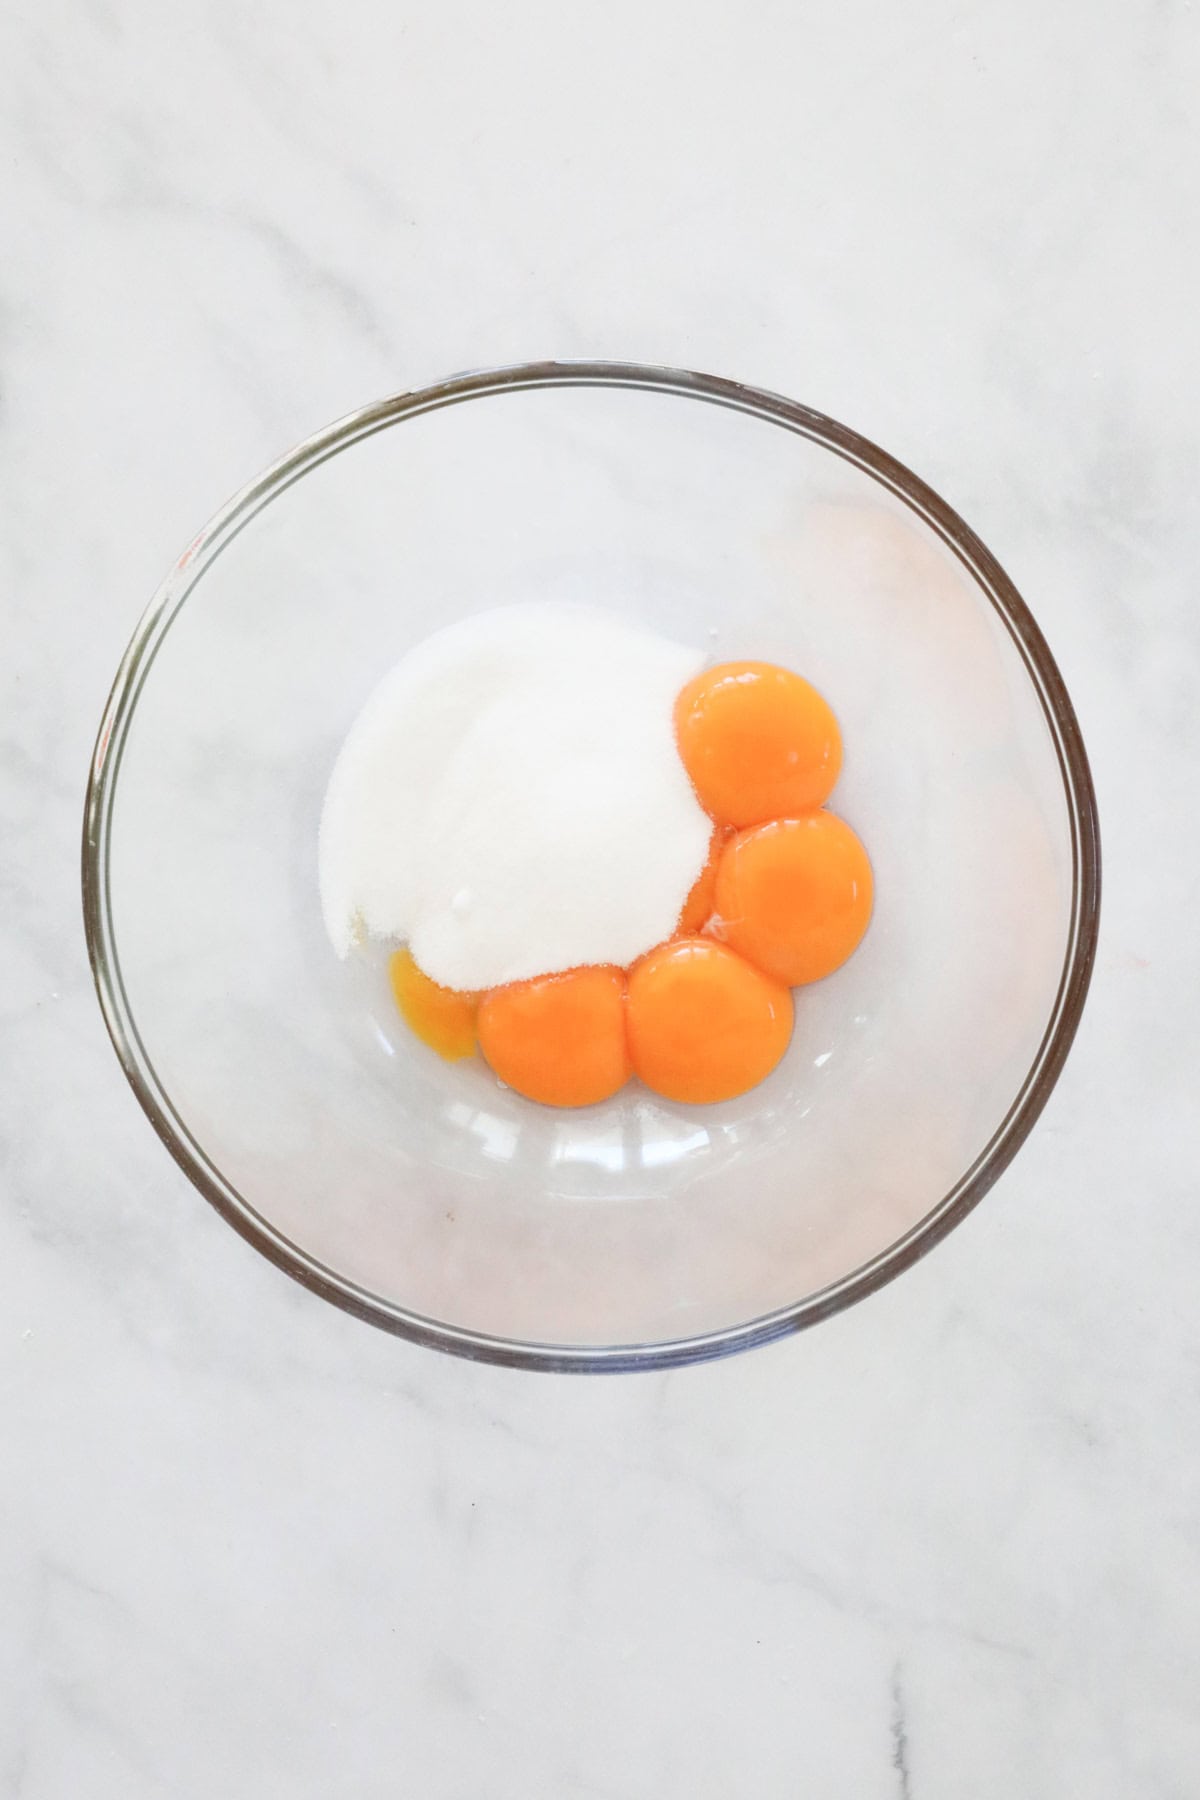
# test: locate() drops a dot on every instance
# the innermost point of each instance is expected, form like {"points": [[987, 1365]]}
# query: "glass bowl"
{"points": [[425, 1197]]}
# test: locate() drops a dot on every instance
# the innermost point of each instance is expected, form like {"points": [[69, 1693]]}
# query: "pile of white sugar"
{"points": [[510, 801]]}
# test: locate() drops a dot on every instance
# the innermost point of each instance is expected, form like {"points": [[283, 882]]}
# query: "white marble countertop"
{"points": [[945, 1545]]}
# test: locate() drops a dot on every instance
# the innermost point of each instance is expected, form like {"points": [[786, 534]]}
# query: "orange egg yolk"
{"points": [[794, 896], [703, 1023], [757, 741], [701, 901], [559, 1039], [440, 1017]]}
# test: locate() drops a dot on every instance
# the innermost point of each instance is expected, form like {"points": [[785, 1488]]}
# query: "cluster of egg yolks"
{"points": [[792, 889], [700, 904], [783, 899]]}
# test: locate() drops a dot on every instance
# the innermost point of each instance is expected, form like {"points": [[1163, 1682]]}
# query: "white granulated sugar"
{"points": [[510, 801]]}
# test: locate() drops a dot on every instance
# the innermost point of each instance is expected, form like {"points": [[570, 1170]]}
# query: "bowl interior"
{"points": [[419, 1191]]}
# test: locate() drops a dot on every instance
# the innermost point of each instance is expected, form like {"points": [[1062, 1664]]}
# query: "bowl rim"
{"points": [[1040, 666]]}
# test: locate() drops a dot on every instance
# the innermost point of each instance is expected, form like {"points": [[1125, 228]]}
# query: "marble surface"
{"points": [[947, 1544]]}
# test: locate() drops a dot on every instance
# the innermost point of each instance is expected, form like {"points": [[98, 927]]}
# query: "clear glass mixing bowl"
{"points": [[423, 1196]]}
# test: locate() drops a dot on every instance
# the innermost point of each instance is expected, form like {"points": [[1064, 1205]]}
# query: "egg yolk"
{"points": [[701, 901], [794, 896], [559, 1039], [703, 1023], [757, 741], [440, 1017]]}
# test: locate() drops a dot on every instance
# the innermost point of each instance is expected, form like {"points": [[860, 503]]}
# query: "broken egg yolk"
{"points": [[440, 1017], [700, 904], [758, 742]]}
